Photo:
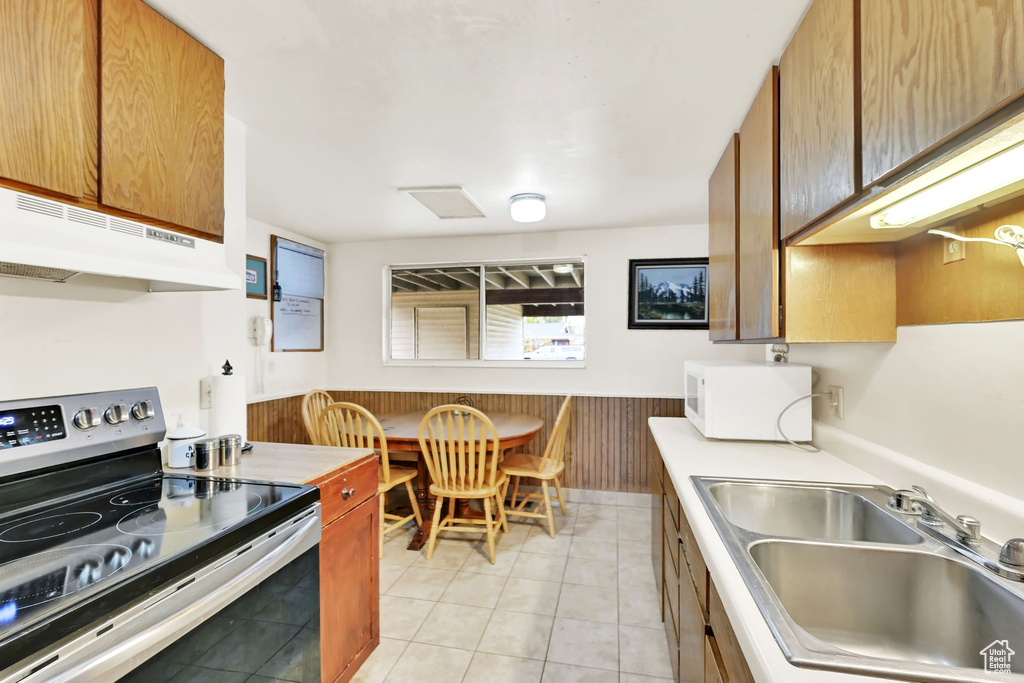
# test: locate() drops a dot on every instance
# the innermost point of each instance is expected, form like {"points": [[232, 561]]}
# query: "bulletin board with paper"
{"points": [[297, 286]]}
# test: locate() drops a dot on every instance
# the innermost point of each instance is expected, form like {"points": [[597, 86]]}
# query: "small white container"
{"points": [[180, 447]]}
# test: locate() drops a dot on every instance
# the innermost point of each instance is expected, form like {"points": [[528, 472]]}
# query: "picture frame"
{"points": [[668, 294], [255, 277]]}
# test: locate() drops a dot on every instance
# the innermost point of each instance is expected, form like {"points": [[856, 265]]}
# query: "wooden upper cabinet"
{"points": [[161, 120], [819, 146], [759, 216], [932, 68], [723, 200], [43, 94]]}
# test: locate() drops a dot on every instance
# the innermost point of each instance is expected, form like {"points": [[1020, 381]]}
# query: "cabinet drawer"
{"points": [[672, 558], [672, 505], [695, 565], [343, 490], [734, 664], [714, 671]]}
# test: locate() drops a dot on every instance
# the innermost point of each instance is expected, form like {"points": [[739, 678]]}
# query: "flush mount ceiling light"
{"points": [[998, 171], [1006, 235], [563, 268], [527, 207]]}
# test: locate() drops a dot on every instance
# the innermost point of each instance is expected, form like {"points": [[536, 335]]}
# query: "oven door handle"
{"points": [[147, 628]]}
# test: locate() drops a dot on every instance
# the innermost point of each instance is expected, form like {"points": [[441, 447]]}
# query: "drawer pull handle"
{"points": [[347, 493]]}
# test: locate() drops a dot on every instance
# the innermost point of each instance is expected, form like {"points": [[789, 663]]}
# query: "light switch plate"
{"points": [[205, 393]]}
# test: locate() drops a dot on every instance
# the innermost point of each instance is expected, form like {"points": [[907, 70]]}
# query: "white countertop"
{"points": [[687, 453]]}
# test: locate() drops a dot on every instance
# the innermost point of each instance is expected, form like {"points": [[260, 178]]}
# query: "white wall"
{"points": [[620, 362], [951, 396], [97, 333], [284, 373]]}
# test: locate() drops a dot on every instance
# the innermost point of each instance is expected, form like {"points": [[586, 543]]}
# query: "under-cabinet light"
{"points": [[563, 268], [998, 171]]}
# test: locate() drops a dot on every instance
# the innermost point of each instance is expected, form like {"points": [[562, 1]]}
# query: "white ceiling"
{"points": [[617, 110]]}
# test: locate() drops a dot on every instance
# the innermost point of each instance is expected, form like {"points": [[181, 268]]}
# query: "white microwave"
{"points": [[743, 399]]}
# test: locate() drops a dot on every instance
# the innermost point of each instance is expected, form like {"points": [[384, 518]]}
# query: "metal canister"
{"points": [[208, 455], [230, 450]]}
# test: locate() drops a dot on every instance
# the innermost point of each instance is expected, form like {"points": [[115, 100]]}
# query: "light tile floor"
{"points": [[582, 606]]}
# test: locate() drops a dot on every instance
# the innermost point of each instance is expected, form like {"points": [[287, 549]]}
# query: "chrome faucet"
{"points": [[918, 501], [1007, 561]]}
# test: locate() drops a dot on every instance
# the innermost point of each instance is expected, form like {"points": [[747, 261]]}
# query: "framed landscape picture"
{"points": [[668, 294]]}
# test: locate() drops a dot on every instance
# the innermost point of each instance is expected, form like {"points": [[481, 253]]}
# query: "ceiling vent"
{"points": [[445, 202]]}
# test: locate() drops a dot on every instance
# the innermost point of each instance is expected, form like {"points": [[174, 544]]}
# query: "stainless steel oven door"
{"points": [[254, 610]]}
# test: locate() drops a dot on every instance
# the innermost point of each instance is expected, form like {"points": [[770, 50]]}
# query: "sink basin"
{"points": [[808, 512], [847, 584], [892, 603]]}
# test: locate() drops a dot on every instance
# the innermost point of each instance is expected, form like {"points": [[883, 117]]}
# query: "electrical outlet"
{"points": [[836, 401], [953, 251], [205, 393]]}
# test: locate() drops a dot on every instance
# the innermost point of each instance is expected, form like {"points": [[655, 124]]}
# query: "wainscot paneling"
{"points": [[608, 445]]}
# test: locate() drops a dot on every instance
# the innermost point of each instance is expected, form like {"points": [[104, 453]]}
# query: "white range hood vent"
{"points": [[47, 240]]}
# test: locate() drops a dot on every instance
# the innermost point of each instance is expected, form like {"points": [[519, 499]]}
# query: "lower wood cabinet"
{"points": [[702, 643], [349, 570]]}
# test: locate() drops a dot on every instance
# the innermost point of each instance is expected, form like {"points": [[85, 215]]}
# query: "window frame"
{"points": [[482, 361]]}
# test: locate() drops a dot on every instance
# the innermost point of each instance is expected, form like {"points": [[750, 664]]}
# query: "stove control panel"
{"points": [[44, 432], [28, 426]]}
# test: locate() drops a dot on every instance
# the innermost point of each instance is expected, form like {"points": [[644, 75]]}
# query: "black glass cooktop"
{"points": [[55, 556]]}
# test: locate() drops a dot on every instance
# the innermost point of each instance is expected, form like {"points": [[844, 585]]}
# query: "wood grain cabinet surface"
{"points": [[43, 94], [349, 572], [819, 145], [161, 119], [759, 217], [723, 211], [703, 647], [931, 69]]}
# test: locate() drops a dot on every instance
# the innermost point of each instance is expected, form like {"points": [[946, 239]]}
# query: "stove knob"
{"points": [[144, 548], [88, 573], [143, 410], [87, 418], [116, 414], [117, 558]]}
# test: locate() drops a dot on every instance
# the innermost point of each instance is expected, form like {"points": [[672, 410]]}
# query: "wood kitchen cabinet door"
{"points": [[44, 96], [349, 584], [759, 216], [931, 68], [819, 145], [723, 240], [161, 120]]}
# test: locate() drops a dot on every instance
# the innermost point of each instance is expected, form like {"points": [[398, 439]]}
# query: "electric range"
{"points": [[107, 563]]}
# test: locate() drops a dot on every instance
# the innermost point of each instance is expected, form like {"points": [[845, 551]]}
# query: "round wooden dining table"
{"points": [[402, 432]]}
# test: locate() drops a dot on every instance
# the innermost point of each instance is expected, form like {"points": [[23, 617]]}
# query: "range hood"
{"points": [[47, 240]]}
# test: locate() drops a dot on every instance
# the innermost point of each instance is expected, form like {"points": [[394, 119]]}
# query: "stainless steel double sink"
{"points": [[848, 584]]}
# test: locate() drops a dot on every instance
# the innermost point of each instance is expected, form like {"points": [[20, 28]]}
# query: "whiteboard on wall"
{"points": [[298, 323], [298, 270]]}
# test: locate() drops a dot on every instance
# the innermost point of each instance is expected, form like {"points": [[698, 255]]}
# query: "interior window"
{"points": [[435, 313], [531, 311]]}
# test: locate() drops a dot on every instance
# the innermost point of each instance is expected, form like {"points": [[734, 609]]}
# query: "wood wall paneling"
{"points": [[161, 119], [844, 292], [819, 117], [43, 94], [988, 284], [608, 448], [759, 216], [931, 69], [723, 243]]}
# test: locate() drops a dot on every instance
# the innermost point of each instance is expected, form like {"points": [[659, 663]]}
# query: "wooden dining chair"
{"points": [[546, 468], [461, 448], [348, 425], [313, 404]]}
